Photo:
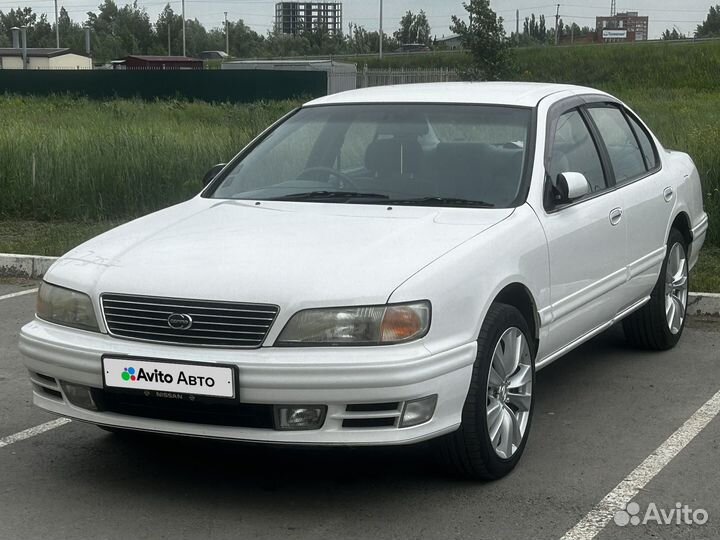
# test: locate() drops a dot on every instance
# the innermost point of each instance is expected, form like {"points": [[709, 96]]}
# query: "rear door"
{"points": [[647, 194], [586, 239]]}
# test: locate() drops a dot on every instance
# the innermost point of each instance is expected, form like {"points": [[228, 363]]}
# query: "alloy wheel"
{"points": [[509, 392], [676, 288]]}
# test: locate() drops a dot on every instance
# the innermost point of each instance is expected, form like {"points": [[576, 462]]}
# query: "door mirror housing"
{"points": [[570, 186], [212, 173]]}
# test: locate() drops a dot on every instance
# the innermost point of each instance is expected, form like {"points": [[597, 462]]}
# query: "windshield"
{"points": [[454, 155]]}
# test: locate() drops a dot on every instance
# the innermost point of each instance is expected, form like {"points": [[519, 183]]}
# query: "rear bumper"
{"points": [[335, 377]]}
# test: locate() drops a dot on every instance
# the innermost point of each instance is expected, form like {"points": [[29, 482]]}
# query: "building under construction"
{"points": [[297, 17], [628, 26]]}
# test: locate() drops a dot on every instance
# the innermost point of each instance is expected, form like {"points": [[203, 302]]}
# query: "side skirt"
{"points": [[582, 339]]}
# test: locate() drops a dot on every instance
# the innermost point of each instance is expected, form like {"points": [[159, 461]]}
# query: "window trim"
{"points": [[584, 101], [623, 112], [568, 106]]}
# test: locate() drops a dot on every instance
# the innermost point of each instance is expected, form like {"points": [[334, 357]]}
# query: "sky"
{"points": [[258, 14]]}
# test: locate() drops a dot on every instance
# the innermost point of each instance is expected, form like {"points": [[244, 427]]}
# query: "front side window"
{"points": [[574, 150], [622, 146], [457, 155]]}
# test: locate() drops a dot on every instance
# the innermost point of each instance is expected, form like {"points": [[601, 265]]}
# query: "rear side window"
{"points": [[574, 150], [646, 144], [622, 146]]}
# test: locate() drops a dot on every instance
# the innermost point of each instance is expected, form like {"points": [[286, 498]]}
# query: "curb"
{"points": [[24, 266], [35, 267], [704, 304]]}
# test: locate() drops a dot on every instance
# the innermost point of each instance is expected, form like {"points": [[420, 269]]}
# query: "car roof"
{"points": [[519, 94]]}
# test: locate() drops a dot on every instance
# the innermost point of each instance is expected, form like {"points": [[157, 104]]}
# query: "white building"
{"points": [[12, 58]]}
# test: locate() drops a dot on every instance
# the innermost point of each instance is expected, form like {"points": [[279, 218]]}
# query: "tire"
{"points": [[470, 452], [649, 327]]}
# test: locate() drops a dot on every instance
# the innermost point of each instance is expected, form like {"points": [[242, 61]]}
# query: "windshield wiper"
{"points": [[323, 195], [440, 201]]}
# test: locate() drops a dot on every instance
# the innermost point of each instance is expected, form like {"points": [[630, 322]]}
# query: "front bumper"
{"points": [[336, 377]]}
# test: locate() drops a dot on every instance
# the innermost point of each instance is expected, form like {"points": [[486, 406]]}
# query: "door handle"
{"points": [[615, 216], [668, 194]]}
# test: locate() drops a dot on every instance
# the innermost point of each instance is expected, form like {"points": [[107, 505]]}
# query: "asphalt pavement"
{"points": [[600, 412]]}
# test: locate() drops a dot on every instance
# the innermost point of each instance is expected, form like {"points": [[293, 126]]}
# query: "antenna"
{"points": [[613, 8]]}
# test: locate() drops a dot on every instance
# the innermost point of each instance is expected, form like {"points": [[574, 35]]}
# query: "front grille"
{"points": [[214, 324], [247, 415]]}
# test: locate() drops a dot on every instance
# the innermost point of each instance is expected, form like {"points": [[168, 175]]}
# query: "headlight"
{"points": [[66, 307], [366, 325]]}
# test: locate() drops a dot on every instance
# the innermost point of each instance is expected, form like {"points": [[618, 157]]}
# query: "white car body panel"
{"points": [[582, 273]]}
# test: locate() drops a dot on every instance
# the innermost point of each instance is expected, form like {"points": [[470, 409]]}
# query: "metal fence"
{"points": [[205, 85], [386, 77]]}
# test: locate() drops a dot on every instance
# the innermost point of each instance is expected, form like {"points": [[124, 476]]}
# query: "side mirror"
{"points": [[570, 186], [212, 173]]}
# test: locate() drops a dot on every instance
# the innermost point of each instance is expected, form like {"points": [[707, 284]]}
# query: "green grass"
{"points": [[706, 275], [653, 64], [48, 238], [76, 159]]}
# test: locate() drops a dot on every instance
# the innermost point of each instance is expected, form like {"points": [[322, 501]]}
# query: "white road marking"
{"points": [[591, 525], [31, 432], [16, 294]]}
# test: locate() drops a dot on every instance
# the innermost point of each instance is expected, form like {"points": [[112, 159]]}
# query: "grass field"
{"points": [[75, 159]]}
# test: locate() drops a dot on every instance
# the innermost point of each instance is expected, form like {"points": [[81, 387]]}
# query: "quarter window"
{"points": [[574, 150], [622, 146]]}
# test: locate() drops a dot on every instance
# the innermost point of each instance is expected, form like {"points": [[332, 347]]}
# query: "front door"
{"points": [[586, 238]]}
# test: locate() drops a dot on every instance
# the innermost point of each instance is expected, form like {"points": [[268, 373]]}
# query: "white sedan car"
{"points": [[382, 266]]}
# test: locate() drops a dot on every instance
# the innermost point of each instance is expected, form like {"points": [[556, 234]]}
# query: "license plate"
{"points": [[169, 377]]}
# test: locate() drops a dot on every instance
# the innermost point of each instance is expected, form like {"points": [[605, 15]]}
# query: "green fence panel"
{"points": [[236, 86]]}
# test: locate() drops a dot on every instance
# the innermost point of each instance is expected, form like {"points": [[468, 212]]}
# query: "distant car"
{"points": [[213, 55], [382, 266]]}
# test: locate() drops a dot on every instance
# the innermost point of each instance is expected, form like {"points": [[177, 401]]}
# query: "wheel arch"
{"points": [[682, 224], [519, 296]]}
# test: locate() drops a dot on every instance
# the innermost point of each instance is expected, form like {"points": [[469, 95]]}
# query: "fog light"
{"points": [[418, 411], [79, 396], [297, 418]]}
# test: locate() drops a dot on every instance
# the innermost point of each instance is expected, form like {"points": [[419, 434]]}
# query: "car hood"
{"points": [[283, 253]]}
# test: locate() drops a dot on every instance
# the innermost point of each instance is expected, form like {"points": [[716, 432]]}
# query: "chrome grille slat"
{"points": [[214, 324], [189, 305], [191, 312], [142, 325]]}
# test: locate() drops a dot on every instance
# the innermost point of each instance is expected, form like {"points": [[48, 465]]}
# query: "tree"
{"points": [[484, 37], [414, 29], [667, 35], [168, 20], [711, 26]]}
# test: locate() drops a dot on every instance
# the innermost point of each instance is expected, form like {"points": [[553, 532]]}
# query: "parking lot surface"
{"points": [[600, 412]]}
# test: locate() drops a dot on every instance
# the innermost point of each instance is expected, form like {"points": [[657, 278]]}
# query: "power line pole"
{"points": [[381, 29], [183, 29], [517, 25], [557, 22], [169, 20], [227, 36], [57, 27]]}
